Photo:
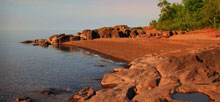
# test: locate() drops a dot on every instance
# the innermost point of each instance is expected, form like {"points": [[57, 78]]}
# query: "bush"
{"points": [[190, 14]]}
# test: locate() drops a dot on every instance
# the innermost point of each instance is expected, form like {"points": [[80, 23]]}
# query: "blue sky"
{"points": [[75, 14]]}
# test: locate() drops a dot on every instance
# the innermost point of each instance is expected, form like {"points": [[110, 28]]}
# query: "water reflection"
{"points": [[192, 97], [87, 53], [58, 67], [66, 48]]}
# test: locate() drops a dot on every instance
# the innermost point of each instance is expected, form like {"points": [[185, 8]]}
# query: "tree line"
{"points": [[188, 15]]}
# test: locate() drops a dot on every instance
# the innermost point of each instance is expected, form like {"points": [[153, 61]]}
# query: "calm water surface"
{"points": [[192, 97], [26, 69]]}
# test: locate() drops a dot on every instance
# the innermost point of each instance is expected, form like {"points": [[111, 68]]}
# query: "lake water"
{"points": [[27, 69], [191, 97]]}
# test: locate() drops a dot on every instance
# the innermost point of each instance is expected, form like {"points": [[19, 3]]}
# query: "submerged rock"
{"points": [[22, 99], [42, 42], [53, 91], [83, 95], [28, 41]]}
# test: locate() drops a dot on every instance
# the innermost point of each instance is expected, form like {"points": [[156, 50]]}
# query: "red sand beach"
{"points": [[128, 49]]}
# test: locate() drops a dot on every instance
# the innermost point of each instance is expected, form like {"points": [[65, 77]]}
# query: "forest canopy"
{"points": [[188, 15]]}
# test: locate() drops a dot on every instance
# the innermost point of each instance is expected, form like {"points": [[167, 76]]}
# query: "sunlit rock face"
{"points": [[153, 78]]}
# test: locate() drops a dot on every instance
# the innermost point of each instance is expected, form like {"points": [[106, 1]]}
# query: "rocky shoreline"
{"points": [[153, 77], [118, 31]]}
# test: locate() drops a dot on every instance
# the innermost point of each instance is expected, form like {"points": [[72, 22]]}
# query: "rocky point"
{"points": [[153, 78]]}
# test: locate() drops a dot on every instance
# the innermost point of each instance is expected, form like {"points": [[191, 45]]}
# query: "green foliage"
{"points": [[153, 23], [211, 13], [140, 27], [188, 15]]}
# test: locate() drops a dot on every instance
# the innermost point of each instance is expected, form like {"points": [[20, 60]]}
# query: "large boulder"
{"points": [[78, 34], [53, 38], [121, 27], [166, 34], [105, 32], [64, 38], [75, 38], [84, 33], [124, 29], [95, 34], [141, 32], [116, 34], [59, 38], [126, 33], [133, 33], [89, 34], [67, 37], [153, 78], [83, 95]]}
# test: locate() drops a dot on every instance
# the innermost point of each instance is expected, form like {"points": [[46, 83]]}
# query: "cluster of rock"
{"points": [[48, 92], [22, 99], [118, 31], [53, 40], [41, 42], [53, 91], [82, 95], [154, 78]]}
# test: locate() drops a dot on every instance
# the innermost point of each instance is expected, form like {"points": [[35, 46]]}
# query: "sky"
{"points": [[76, 14]]}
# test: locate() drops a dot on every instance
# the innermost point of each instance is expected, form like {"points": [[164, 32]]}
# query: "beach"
{"points": [[128, 49], [159, 68], [110, 51]]}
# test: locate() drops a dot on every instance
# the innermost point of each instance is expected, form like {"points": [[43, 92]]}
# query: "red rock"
{"points": [[22, 99], [116, 34], [105, 32], [83, 95], [121, 28], [153, 78], [133, 33]]}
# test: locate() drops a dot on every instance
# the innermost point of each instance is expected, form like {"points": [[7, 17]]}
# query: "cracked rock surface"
{"points": [[153, 78]]}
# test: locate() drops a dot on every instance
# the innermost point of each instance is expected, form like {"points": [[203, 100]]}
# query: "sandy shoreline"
{"points": [[158, 68], [154, 78], [104, 55], [128, 49]]}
